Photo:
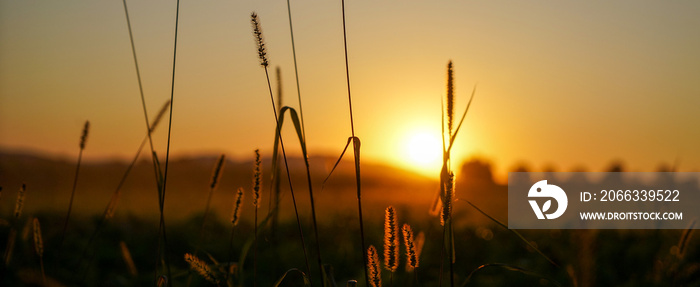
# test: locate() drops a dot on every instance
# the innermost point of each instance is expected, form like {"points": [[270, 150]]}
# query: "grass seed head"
{"points": [[83, 137], [375, 272], [19, 205], [257, 179], [257, 33], [217, 171], [408, 240], [447, 199], [159, 116], [236, 214], [278, 71], [200, 267], [450, 97], [38, 240], [391, 240]]}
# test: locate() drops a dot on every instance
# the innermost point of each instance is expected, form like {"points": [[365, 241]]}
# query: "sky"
{"points": [[563, 84]]}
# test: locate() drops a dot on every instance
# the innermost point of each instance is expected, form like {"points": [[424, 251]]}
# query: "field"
{"points": [[235, 184], [583, 257]]}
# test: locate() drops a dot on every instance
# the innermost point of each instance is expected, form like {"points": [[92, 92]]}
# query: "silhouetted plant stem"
{"points": [[356, 148], [303, 133], [276, 180], [83, 138], [289, 177], [296, 71], [264, 62], [167, 159]]}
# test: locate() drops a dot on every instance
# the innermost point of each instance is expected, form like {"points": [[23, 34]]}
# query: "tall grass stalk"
{"points": [[446, 174], [302, 140], [162, 239], [356, 146], [83, 139], [157, 171], [296, 70], [262, 54]]}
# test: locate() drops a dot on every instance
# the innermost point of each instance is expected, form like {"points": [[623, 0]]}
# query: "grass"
{"points": [[491, 255]]}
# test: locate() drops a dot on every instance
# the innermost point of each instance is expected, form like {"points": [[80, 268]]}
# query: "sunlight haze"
{"points": [[566, 84]]}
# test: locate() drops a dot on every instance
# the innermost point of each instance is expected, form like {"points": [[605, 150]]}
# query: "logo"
{"points": [[542, 189]]}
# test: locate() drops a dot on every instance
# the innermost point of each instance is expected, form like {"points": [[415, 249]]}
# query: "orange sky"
{"points": [[563, 84]]}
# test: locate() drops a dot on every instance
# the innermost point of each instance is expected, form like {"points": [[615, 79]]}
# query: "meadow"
{"points": [[282, 218]]}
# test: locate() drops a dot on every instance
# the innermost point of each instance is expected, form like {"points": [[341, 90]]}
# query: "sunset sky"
{"points": [[559, 83]]}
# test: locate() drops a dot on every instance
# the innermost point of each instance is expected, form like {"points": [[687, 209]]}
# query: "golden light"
{"points": [[423, 151]]}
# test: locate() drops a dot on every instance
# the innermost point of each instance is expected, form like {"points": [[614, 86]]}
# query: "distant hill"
{"points": [[49, 182]]}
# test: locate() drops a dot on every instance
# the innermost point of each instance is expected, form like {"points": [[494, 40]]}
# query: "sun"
{"points": [[423, 151]]}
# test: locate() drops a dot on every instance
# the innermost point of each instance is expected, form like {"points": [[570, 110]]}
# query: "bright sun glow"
{"points": [[423, 151]]}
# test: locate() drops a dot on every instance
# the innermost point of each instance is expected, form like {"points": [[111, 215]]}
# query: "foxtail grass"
{"points": [[236, 211], [411, 253], [235, 218], [409, 242], [449, 134], [19, 204], [201, 268], [257, 185], [262, 55], [447, 199], [39, 247], [391, 242], [373, 268], [450, 98]]}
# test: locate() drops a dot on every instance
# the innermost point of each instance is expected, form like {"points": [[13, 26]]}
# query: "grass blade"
{"points": [[306, 278], [509, 267], [516, 234], [299, 130]]}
